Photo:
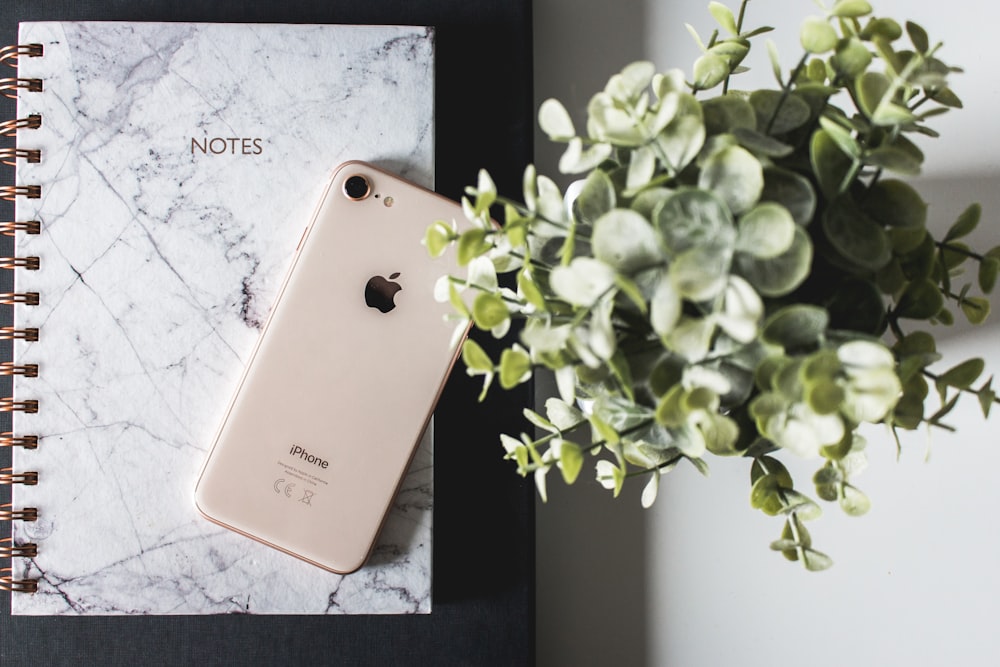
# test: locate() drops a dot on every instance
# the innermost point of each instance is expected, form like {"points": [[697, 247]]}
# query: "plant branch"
{"points": [[967, 390], [786, 90]]}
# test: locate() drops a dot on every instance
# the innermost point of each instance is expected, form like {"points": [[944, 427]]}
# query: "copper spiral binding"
{"points": [[9, 128], [8, 477], [11, 87], [26, 226], [28, 263], [10, 333], [8, 439], [9, 156], [10, 54], [8, 404], [27, 298], [10, 192], [8, 513], [27, 370], [10, 550], [9, 583]]}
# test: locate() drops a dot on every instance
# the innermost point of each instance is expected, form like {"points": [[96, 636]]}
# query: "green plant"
{"points": [[739, 274]]}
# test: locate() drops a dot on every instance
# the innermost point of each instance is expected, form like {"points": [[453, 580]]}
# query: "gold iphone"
{"points": [[344, 379]]}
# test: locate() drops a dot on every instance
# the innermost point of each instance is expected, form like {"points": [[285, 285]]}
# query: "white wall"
{"points": [[691, 582]]}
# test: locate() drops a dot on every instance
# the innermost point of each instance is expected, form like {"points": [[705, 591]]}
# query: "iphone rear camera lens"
{"points": [[357, 188]]}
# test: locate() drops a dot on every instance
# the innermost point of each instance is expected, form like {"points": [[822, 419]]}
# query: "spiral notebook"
{"points": [[164, 175]]}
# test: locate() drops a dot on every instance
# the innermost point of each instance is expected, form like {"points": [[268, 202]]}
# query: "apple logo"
{"points": [[380, 292]]}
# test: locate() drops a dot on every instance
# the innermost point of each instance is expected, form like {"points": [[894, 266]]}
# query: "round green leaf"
{"points": [[817, 35], [966, 223], [766, 465], [664, 306], [724, 16], [721, 434], [471, 244], [597, 197], [700, 273], [854, 502], [816, 70], [885, 28], [791, 190], [851, 8], [583, 281], [735, 175], [733, 50], [530, 291], [765, 496], [575, 159], [647, 201], [765, 231], [871, 88], [857, 239], [515, 367], [824, 397], [726, 113], [691, 217], [710, 70], [816, 561], [779, 275], [489, 310], [626, 241], [628, 85], [829, 163], [796, 327], [608, 122], [570, 461], [964, 374], [684, 135], [989, 267], [918, 36], [895, 204], [842, 136], [851, 59], [828, 480], [475, 358], [893, 159], [920, 300], [555, 121], [976, 309], [761, 144], [778, 113], [437, 238]]}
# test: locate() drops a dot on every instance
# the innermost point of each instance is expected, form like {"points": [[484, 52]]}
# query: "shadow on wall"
{"points": [[578, 46], [592, 603], [592, 549]]}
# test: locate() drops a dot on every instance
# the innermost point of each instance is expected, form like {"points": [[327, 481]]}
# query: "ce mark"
{"points": [[287, 488]]}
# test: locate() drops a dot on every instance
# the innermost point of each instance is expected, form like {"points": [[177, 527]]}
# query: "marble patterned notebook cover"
{"points": [[180, 163]]}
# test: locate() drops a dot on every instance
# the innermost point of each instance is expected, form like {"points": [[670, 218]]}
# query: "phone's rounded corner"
{"points": [[347, 569], [347, 164], [199, 501]]}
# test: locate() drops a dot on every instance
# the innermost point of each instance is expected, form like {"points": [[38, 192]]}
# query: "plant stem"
{"points": [[935, 377], [523, 210], [660, 466], [786, 91], [739, 30], [645, 423], [945, 245]]}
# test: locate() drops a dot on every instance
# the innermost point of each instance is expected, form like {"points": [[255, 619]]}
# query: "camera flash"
{"points": [[387, 201]]}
